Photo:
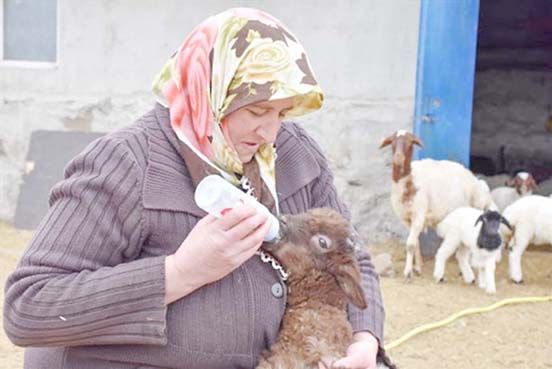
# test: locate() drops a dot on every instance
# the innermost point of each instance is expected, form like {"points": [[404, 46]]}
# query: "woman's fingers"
{"points": [[254, 240], [236, 215], [246, 226]]}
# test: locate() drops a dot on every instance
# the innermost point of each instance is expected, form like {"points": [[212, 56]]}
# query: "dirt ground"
{"points": [[512, 337]]}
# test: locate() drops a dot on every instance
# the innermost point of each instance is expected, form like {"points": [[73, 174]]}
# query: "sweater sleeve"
{"points": [[324, 194], [79, 282]]}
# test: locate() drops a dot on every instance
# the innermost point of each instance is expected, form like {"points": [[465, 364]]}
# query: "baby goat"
{"points": [[462, 234], [522, 184], [317, 250]]}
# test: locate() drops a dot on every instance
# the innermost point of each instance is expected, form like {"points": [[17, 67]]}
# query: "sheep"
{"points": [[522, 184], [482, 243], [423, 192], [531, 218], [318, 253]]}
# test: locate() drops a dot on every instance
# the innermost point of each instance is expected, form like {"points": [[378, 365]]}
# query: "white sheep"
{"points": [[475, 236], [531, 218], [423, 192], [522, 184]]}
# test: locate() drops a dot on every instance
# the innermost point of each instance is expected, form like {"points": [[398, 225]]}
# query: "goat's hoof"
{"points": [[418, 271], [517, 282]]}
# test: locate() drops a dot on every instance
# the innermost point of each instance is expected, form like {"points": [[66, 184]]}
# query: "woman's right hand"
{"points": [[213, 249]]}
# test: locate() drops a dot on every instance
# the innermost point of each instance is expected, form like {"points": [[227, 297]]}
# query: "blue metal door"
{"points": [[445, 78]]}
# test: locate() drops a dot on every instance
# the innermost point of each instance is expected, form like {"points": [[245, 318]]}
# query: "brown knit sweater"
{"points": [[89, 290]]}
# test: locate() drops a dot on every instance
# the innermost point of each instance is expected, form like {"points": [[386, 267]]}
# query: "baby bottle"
{"points": [[216, 196]]}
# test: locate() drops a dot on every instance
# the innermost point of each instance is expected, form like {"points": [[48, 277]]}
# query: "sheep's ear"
{"points": [[348, 278], [480, 219], [505, 222], [387, 141]]}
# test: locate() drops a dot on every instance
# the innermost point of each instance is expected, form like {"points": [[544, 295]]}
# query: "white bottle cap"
{"points": [[214, 195]]}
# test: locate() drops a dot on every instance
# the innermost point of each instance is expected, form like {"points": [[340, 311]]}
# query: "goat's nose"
{"points": [[284, 227]]}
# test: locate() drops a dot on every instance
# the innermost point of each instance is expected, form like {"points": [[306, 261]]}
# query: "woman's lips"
{"points": [[251, 145]]}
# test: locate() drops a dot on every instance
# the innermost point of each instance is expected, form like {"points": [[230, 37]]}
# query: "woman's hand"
{"points": [[213, 249], [361, 354]]}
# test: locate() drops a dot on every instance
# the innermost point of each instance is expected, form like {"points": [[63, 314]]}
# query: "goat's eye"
{"points": [[321, 242]]}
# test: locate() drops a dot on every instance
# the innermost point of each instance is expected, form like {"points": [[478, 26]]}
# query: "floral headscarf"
{"points": [[239, 57]]}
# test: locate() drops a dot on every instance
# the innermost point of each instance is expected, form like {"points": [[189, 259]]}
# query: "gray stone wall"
{"points": [[363, 54]]}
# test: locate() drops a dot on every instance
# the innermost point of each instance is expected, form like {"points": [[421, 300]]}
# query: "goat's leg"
{"points": [[481, 282], [490, 266], [418, 260], [463, 258], [517, 246], [447, 248], [413, 245]]}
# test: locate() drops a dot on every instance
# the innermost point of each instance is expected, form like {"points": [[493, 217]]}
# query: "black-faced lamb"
{"points": [[423, 192], [522, 184], [476, 238], [317, 251], [531, 218]]}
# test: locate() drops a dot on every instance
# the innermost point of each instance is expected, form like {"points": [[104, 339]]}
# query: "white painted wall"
{"points": [[363, 53]]}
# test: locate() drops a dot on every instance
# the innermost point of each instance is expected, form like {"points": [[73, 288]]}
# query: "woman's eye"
{"points": [[257, 113]]}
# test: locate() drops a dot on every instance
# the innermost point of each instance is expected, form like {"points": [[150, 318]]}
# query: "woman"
{"points": [[125, 271]]}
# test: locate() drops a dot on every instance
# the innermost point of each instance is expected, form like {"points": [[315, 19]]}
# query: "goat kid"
{"points": [[522, 184]]}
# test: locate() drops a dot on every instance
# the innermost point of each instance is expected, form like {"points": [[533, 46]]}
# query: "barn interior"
{"points": [[512, 111]]}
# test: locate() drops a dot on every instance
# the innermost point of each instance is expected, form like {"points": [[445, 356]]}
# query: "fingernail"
{"points": [[224, 211]]}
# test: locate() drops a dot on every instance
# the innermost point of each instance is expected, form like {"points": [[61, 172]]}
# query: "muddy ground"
{"points": [[512, 337]]}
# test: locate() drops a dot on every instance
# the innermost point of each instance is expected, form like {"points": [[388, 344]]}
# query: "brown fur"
{"points": [[402, 148], [315, 326], [521, 185]]}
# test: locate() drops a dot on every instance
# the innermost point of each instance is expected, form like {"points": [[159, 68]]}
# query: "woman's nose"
{"points": [[269, 129]]}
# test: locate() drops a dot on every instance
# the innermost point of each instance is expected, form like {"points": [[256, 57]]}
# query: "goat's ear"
{"points": [[417, 141], [348, 278], [387, 141], [532, 184], [510, 182], [480, 219]]}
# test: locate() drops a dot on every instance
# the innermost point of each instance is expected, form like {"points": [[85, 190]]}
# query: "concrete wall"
{"points": [[363, 53]]}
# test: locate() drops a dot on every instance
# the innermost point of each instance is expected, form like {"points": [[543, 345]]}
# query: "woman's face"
{"points": [[256, 124]]}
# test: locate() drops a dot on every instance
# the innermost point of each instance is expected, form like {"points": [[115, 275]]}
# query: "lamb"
{"points": [[423, 192], [531, 218], [522, 184], [317, 249], [470, 232]]}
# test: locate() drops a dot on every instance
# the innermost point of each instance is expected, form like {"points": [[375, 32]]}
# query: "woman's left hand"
{"points": [[361, 354]]}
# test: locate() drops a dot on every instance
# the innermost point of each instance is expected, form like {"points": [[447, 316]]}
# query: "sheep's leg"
{"points": [[518, 244], [463, 258], [490, 266], [447, 248], [481, 283], [413, 245]]}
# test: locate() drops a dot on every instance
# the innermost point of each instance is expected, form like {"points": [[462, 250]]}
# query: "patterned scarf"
{"points": [[239, 57]]}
